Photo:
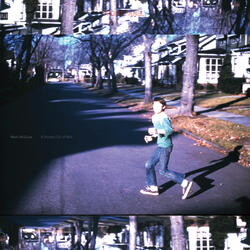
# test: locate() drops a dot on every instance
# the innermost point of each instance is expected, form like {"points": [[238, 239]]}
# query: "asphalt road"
{"points": [[65, 150]]}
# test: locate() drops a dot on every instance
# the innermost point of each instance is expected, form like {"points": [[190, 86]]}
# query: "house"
{"points": [[88, 18], [211, 53], [13, 17], [210, 61], [172, 58], [200, 237]]}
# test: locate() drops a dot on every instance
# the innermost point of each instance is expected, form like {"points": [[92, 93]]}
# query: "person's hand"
{"points": [[152, 131], [148, 138]]}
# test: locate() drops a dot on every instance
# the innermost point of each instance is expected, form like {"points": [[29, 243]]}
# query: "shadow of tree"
{"points": [[224, 105], [244, 203], [202, 180]]}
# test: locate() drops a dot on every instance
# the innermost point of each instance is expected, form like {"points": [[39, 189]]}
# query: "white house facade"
{"points": [[14, 17], [210, 63], [211, 54]]}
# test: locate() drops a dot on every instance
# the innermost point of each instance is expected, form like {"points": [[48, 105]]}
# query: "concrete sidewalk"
{"points": [[227, 116]]}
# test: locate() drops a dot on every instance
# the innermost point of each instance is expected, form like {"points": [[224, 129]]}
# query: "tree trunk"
{"points": [[19, 60], [132, 232], [92, 60], [30, 7], [68, 11], [72, 243], [166, 234], [112, 72], [113, 17], [190, 71], [78, 227], [148, 72], [177, 233], [28, 47], [80, 8], [94, 226], [99, 81], [107, 67]]}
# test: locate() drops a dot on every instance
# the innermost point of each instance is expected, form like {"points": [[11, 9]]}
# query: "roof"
{"points": [[139, 64], [213, 51], [167, 59], [4, 6]]}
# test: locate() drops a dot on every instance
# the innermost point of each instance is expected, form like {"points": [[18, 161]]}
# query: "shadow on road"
{"points": [[53, 123], [224, 105], [203, 181], [244, 203]]}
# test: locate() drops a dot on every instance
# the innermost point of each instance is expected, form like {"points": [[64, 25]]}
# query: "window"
{"points": [[3, 16], [213, 67], [179, 3], [203, 240], [178, 6], [44, 10]]}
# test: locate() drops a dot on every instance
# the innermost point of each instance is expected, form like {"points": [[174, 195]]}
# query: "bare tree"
{"points": [[28, 46], [111, 47], [78, 230], [68, 12], [113, 16], [30, 6], [177, 233], [92, 233], [95, 53], [132, 232], [190, 71], [148, 41], [220, 17]]}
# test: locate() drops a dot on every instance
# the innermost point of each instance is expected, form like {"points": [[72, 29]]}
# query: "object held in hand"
{"points": [[152, 131]]}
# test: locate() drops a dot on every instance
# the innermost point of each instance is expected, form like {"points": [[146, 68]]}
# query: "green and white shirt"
{"points": [[162, 121]]}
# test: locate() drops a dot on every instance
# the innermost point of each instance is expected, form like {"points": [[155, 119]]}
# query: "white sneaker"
{"points": [[149, 191]]}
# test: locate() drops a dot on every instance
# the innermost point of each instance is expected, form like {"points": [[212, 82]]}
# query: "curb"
{"points": [[214, 146], [183, 131]]}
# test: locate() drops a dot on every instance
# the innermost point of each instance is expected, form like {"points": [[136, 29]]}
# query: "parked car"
{"points": [[69, 77], [54, 77], [4, 239]]}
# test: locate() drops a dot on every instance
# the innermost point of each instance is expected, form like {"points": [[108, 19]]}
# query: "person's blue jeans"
{"points": [[161, 155]]}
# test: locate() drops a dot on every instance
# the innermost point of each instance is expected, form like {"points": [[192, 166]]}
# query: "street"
{"points": [[66, 150]]}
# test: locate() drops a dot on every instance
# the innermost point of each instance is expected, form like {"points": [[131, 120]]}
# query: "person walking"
{"points": [[162, 130]]}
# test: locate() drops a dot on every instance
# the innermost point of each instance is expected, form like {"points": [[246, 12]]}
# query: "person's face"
{"points": [[157, 107]]}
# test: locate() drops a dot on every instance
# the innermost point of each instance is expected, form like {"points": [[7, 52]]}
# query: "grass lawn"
{"points": [[225, 134], [234, 104]]}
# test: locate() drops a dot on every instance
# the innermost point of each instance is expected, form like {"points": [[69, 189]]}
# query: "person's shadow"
{"points": [[202, 180]]}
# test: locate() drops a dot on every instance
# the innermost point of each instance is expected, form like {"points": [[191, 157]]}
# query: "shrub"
{"points": [[232, 86], [248, 92], [120, 78], [131, 80], [198, 86], [210, 87], [156, 82], [226, 82]]}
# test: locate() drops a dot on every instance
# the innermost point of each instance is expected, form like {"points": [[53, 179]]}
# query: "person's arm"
{"points": [[167, 128]]}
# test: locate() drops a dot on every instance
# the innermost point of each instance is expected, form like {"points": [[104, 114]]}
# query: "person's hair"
{"points": [[160, 100]]}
